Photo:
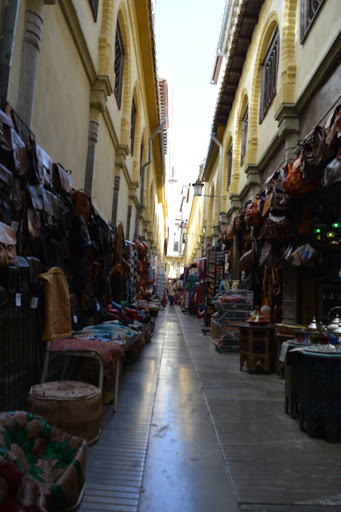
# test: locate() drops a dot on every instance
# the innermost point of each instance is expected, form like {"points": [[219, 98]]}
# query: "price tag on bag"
{"points": [[18, 300], [34, 302], [75, 319]]}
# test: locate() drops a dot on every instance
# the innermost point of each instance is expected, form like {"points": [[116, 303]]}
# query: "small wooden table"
{"points": [[258, 347]]}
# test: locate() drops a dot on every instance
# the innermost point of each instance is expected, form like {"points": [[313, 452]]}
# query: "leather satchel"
{"points": [[81, 205], [51, 209], [276, 229], [294, 183], [61, 179], [6, 177], [331, 181], [253, 212], [44, 167], [247, 261], [6, 187], [281, 202], [36, 195], [34, 223], [314, 154], [18, 277], [333, 129], [229, 234], [8, 241], [13, 152]]}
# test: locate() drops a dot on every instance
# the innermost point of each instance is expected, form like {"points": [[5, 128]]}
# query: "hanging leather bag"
{"points": [[331, 181], [8, 241], [6, 187], [81, 204], [253, 212], [314, 154], [34, 223], [61, 179], [282, 203], [247, 262], [333, 130], [44, 167], [13, 152], [229, 233], [276, 229], [294, 183]]}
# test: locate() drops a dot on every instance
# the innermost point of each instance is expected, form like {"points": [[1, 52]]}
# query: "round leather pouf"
{"points": [[75, 407]]}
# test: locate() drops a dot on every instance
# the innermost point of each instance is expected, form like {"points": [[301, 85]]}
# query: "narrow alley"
{"points": [[193, 433]]}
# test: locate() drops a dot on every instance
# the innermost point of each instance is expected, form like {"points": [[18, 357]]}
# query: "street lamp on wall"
{"points": [[198, 186]]}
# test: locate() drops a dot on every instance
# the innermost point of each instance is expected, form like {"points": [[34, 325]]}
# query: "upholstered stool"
{"points": [[72, 406]]}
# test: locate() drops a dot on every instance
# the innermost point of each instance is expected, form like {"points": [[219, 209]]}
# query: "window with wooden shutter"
{"points": [[130, 208], [94, 8], [229, 167], [243, 144], [132, 126], [309, 10], [119, 65], [269, 75], [141, 156]]}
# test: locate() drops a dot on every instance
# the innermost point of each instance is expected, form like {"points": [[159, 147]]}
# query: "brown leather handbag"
{"points": [[44, 167], [314, 154], [61, 179], [253, 213], [81, 204], [276, 229], [34, 223], [295, 184], [331, 181], [333, 130], [13, 152]]}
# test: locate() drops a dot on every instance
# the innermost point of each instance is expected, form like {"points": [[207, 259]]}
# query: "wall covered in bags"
{"points": [[297, 78], [65, 89]]}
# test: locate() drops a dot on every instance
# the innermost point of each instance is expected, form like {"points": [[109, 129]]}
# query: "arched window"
{"points": [[132, 126], [269, 75], [229, 166], [243, 142], [119, 65], [309, 10]]}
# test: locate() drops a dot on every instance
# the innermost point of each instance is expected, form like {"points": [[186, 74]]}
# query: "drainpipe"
{"points": [[213, 137], [143, 168], [7, 34]]}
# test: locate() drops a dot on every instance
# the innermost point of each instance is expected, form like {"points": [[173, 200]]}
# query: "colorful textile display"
{"points": [[49, 465]]}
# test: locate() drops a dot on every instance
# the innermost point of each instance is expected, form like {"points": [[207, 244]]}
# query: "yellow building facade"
{"points": [[83, 78], [258, 132]]}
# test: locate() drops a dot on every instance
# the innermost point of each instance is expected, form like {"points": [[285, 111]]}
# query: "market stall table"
{"points": [[289, 358], [320, 392]]}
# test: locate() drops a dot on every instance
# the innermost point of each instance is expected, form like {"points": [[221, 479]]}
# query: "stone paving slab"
{"points": [[273, 465]]}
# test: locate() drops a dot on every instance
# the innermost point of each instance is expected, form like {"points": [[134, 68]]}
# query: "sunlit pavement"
{"points": [[194, 433]]}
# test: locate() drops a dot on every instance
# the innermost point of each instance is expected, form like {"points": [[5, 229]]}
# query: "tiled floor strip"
{"points": [[116, 462]]}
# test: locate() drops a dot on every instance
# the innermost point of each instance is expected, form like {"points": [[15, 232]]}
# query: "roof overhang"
{"points": [[241, 36]]}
